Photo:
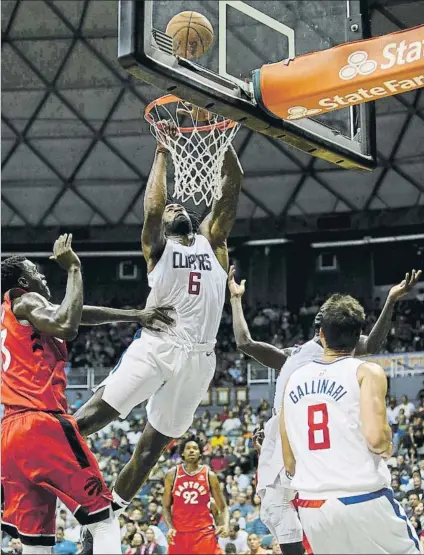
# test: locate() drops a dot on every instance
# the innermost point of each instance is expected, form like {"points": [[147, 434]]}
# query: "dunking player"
{"points": [[43, 455], [273, 487], [335, 437], [187, 505], [173, 369]]}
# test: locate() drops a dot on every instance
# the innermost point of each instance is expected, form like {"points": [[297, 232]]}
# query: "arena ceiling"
{"points": [[76, 151]]}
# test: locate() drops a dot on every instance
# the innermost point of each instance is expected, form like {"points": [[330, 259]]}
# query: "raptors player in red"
{"points": [[187, 505], [43, 455]]}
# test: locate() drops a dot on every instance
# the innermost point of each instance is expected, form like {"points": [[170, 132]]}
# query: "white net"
{"points": [[197, 147]]}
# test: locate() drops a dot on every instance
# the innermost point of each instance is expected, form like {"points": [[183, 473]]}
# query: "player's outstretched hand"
{"points": [[405, 285], [150, 317], [258, 438], [63, 253], [236, 290], [170, 536]]}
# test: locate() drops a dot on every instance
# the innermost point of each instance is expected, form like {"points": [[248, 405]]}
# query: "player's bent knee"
{"points": [[84, 517], [95, 414]]}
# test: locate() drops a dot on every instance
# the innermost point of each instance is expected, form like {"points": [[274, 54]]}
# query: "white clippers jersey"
{"points": [[191, 280], [300, 355], [322, 417], [271, 459]]}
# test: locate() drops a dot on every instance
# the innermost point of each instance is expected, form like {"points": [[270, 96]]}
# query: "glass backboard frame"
{"points": [[139, 54]]}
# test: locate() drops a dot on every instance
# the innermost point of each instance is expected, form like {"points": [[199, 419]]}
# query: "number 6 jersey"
{"points": [[192, 281], [191, 500], [323, 424]]}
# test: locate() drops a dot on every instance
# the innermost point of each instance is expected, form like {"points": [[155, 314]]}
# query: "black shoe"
{"points": [[86, 539]]}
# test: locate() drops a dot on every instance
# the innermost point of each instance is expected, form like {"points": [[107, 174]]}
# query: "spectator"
{"points": [[15, 547], [230, 548], [242, 505], [239, 519], [218, 439], [136, 545], [254, 545], [62, 546], [392, 411], [219, 463], [276, 550], [237, 537], [78, 402], [151, 547], [153, 514], [242, 480], [231, 423], [407, 406], [159, 535]]}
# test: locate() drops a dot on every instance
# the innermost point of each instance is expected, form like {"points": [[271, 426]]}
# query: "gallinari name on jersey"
{"points": [[191, 261], [320, 387]]}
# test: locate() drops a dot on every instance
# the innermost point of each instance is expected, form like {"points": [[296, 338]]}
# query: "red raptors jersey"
{"points": [[33, 364], [191, 498]]}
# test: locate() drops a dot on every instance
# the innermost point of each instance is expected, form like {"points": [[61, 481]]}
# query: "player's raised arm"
{"points": [[153, 236], [167, 504], [60, 321], [371, 344], [373, 390], [218, 224], [223, 518], [264, 353]]}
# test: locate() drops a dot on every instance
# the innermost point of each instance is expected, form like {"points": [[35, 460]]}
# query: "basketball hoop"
{"points": [[197, 151]]}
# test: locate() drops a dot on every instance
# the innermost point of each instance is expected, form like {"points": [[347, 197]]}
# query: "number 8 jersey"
{"points": [[191, 500], [323, 424], [190, 279]]}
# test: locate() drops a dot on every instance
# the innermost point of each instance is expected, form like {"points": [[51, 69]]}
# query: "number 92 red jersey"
{"points": [[33, 364], [191, 500]]}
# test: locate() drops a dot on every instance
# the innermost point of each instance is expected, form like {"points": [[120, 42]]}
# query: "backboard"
{"points": [[249, 34]]}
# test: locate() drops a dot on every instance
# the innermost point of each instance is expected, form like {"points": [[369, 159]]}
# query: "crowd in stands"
{"points": [[227, 436], [227, 447]]}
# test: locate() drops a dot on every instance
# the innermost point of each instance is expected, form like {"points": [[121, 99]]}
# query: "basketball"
{"points": [[192, 34]]}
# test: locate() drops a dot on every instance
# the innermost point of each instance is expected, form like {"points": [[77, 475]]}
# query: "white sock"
{"points": [[119, 501], [106, 537], [36, 550]]}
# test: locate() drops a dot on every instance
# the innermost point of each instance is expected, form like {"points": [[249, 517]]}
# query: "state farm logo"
{"points": [[299, 112], [358, 64]]}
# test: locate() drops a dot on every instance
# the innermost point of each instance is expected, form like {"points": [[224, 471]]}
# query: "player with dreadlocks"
{"points": [[44, 457]]}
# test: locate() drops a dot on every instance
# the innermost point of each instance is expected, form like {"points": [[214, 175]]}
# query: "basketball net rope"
{"points": [[197, 155]]}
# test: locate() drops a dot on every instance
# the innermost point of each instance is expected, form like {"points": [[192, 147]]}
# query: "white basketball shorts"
{"points": [[369, 523], [175, 377], [279, 514]]}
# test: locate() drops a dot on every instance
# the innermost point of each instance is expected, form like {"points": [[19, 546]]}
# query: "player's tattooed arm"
{"points": [[371, 344], [153, 237], [373, 390], [223, 517], [62, 320], [288, 456], [218, 224], [167, 504], [264, 353]]}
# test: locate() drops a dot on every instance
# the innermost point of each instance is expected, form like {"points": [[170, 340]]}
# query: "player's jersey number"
{"points": [[318, 432], [194, 283], [190, 497], [6, 357]]}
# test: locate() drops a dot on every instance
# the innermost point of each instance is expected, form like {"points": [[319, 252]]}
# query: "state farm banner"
{"points": [[342, 76]]}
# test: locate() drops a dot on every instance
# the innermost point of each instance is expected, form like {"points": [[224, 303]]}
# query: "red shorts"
{"points": [[44, 457], [201, 542]]}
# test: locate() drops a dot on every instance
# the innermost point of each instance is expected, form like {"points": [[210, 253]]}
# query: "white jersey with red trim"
{"points": [[193, 282], [323, 422], [271, 458]]}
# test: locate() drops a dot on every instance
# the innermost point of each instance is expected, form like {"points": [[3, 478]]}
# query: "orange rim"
{"points": [[169, 99]]}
